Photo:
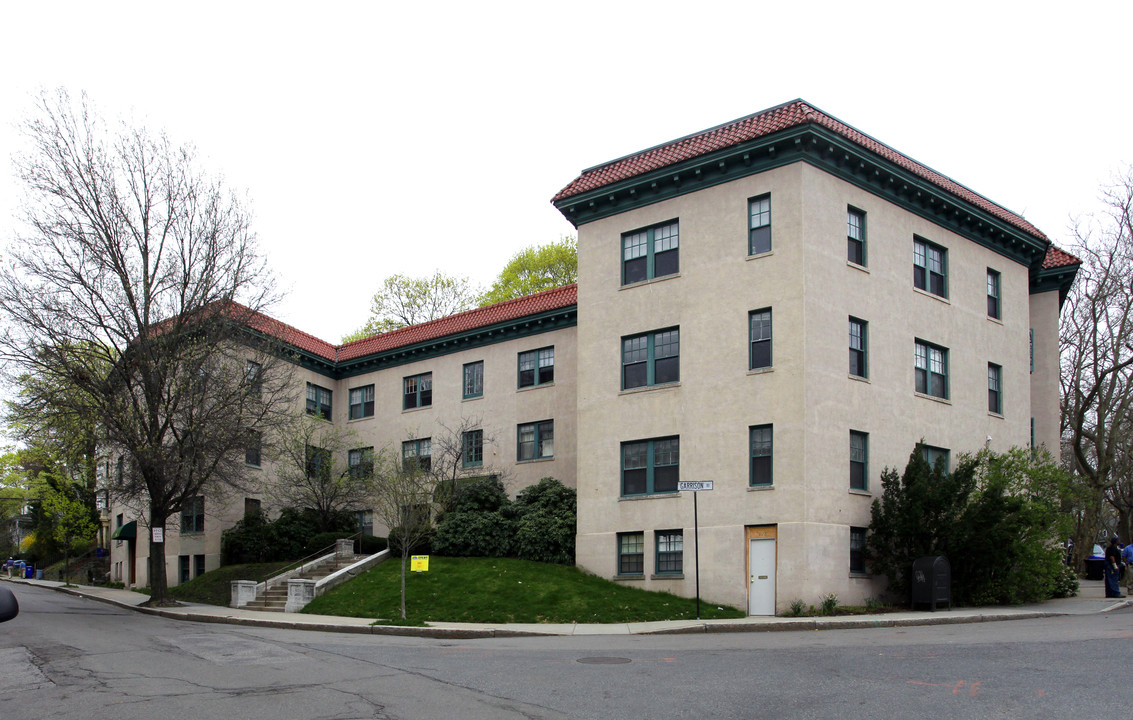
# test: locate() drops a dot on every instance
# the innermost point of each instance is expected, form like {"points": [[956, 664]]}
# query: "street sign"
{"points": [[694, 486]]}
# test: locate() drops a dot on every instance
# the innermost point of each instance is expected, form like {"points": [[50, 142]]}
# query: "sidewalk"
{"points": [[1090, 599]]}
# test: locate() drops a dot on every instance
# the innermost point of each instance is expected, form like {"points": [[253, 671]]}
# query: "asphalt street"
{"points": [[72, 657]]}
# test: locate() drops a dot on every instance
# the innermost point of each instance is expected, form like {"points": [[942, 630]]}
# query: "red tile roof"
{"points": [[462, 322], [1056, 258], [788, 115], [545, 301]]}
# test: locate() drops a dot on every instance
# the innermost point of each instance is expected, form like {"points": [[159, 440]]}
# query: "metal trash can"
{"points": [[932, 582], [1095, 568], [39, 574]]}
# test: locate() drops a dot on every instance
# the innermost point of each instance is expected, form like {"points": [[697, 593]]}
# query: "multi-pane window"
{"points": [[855, 236], [930, 268], [934, 455], [193, 515], [651, 359], [360, 463], [254, 378], [473, 382], [318, 464], [417, 391], [759, 224], [857, 548], [472, 453], [859, 460], [365, 521], [760, 322], [994, 388], [993, 309], [362, 402], [318, 401], [535, 441], [198, 565], [761, 449], [651, 466], [537, 367], [417, 454], [183, 569], [858, 348], [670, 551], [253, 448], [931, 369], [651, 252], [252, 506], [631, 553]]}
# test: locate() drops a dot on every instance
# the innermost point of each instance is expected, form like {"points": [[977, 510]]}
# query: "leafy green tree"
{"points": [[404, 301], [996, 517], [535, 269], [74, 521]]}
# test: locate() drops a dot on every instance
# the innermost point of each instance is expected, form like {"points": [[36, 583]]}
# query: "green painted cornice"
{"points": [[828, 151], [1051, 279], [526, 326]]}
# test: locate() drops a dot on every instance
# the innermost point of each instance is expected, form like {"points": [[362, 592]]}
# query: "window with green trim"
{"points": [[760, 336], [254, 378], [930, 267], [651, 466], [994, 388], [762, 445], [535, 441], [993, 294], [360, 463], [669, 555], [537, 367], [318, 464], [362, 402], [318, 401], [858, 338], [855, 236], [934, 455], [651, 252], [857, 550], [417, 391], [859, 460], [931, 369], [651, 359], [473, 382], [193, 515], [472, 453], [253, 448], [631, 553], [759, 225], [417, 454]]}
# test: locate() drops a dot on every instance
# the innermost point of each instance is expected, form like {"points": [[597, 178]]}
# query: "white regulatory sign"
{"points": [[694, 486]]}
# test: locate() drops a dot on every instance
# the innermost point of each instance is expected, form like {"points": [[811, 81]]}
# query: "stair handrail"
{"points": [[303, 562]]}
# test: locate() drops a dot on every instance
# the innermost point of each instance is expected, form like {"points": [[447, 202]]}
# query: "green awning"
{"points": [[129, 531]]}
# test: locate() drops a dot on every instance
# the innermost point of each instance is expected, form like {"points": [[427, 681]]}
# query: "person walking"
{"points": [[1113, 569], [1127, 561]]}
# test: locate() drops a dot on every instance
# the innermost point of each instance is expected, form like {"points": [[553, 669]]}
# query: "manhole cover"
{"points": [[604, 661]]}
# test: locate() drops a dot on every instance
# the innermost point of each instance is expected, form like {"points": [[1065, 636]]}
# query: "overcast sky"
{"points": [[375, 139]]}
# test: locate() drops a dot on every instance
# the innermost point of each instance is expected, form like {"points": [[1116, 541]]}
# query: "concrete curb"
{"points": [[471, 633]]}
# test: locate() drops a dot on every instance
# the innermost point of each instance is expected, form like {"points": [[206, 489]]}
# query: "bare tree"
{"points": [[402, 501], [1096, 337], [318, 467], [137, 286], [457, 452]]}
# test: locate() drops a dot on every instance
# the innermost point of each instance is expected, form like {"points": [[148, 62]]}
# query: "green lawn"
{"points": [[215, 586], [493, 590]]}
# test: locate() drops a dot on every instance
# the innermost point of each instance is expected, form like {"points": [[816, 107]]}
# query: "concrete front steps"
{"points": [[295, 589]]}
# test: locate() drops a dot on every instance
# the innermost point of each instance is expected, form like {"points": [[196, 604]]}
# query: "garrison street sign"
{"points": [[694, 486]]}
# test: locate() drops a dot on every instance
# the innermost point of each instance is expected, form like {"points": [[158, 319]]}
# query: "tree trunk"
{"points": [[158, 582], [404, 558]]}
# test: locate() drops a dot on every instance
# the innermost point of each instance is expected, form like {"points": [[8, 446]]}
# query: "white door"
{"points": [[761, 593]]}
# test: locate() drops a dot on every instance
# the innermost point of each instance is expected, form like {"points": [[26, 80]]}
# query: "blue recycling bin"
{"points": [[29, 572]]}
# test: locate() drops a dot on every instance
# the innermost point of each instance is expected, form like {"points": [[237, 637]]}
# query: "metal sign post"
{"points": [[696, 487]]}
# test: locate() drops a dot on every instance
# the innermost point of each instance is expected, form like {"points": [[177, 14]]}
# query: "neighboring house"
{"points": [[783, 306], [780, 305], [505, 373]]}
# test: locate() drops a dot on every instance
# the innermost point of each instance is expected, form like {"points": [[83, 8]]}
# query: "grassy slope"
{"points": [[495, 590], [215, 588]]}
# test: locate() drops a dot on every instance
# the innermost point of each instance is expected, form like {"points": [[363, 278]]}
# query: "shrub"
{"points": [[797, 608], [473, 534], [1066, 584], [829, 603], [546, 522], [422, 542]]}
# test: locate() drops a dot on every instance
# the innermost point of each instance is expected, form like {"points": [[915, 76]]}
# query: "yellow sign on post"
{"points": [[419, 563]]}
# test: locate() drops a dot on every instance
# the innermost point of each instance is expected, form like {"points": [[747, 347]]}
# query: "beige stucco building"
{"points": [[782, 306]]}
